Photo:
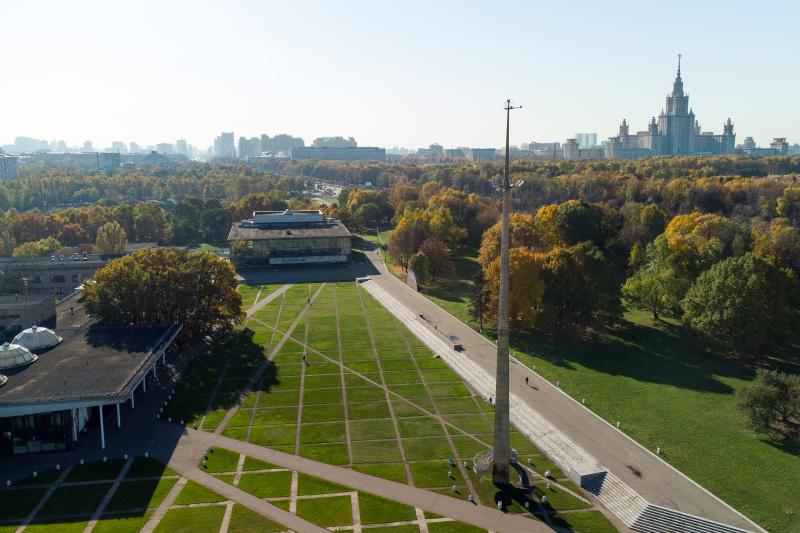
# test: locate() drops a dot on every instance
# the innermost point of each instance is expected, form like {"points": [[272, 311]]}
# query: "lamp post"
{"points": [[502, 448]]}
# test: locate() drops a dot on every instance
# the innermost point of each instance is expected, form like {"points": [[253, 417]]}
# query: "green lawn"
{"points": [[644, 376]]}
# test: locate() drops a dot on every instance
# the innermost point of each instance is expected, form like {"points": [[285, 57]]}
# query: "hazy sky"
{"points": [[389, 73]]}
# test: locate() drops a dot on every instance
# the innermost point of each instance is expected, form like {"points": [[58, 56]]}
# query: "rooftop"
{"points": [[94, 364], [255, 233]]}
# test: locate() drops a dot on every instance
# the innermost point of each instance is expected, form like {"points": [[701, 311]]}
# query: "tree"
{"points": [[37, 248], [779, 244], [789, 204], [111, 239], [405, 242], [580, 221], [772, 404], [523, 233], [256, 201], [420, 266], [579, 287], [656, 290], [72, 234], [526, 288], [368, 215], [436, 251], [742, 305], [150, 222], [166, 286]]}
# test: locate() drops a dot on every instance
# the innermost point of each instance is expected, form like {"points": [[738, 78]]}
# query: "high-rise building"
{"points": [[249, 147], [586, 140], [224, 146], [675, 133], [119, 146], [164, 148], [135, 148], [334, 142], [780, 146], [181, 147], [87, 147], [8, 166]]}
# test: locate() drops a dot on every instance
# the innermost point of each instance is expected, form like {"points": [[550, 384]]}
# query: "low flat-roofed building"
{"points": [[45, 404], [21, 311], [289, 237], [349, 153], [59, 276]]}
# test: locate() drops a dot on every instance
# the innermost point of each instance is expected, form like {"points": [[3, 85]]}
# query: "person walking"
{"points": [[526, 380]]}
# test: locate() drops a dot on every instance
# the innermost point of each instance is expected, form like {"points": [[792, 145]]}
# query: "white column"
{"points": [[154, 370], [163, 357], [74, 414], [119, 417], [144, 383], [133, 399], [102, 430]]}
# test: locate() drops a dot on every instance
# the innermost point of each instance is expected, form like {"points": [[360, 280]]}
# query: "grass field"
{"points": [[644, 376], [352, 387]]}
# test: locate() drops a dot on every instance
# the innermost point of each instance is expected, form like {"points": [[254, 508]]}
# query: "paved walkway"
{"points": [[258, 304], [643, 471]]}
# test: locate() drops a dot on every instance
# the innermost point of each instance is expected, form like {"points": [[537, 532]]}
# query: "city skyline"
{"points": [[387, 77]]}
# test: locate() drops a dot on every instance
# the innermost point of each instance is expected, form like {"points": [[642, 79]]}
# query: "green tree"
{"points": [[656, 290], [405, 242], [37, 248], [111, 239], [772, 404], [420, 266], [742, 305], [789, 204], [167, 286], [368, 215]]}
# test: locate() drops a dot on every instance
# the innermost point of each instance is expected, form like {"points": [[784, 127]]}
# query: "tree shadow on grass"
{"points": [[655, 353]]}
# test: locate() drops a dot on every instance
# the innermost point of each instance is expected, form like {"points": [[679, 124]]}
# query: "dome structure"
{"points": [[36, 338], [13, 355], [3, 380]]}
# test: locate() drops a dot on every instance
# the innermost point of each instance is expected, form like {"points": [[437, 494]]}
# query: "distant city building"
{"points": [[586, 140], [280, 144], [86, 161], [675, 133], [135, 148], [289, 237], [181, 147], [334, 142], [224, 146], [780, 146], [454, 154], [249, 147], [119, 146], [432, 153], [87, 147], [573, 151], [482, 154], [165, 148], [366, 153], [8, 166]]}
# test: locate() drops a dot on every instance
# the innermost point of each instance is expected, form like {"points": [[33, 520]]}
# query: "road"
{"points": [[642, 470]]}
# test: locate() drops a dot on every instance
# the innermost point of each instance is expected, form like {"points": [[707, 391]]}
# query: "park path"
{"points": [[193, 445], [587, 437], [253, 309]]}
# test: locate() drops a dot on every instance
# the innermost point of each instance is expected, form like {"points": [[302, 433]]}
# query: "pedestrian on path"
{"points": [[526, 380]]}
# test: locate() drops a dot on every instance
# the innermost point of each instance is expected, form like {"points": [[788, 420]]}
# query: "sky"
{"points": [[390, 73]]}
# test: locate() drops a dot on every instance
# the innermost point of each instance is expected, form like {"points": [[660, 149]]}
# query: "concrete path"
{"points": [[253, 309], [194, 443], [643, 471]]}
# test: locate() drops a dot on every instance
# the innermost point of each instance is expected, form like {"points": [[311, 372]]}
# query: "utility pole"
{"points": [[502, 448]]}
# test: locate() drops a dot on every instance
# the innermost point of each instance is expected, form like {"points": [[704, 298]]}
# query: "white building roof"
{"points": [[37, 338], [3, 380], [12, 356]]}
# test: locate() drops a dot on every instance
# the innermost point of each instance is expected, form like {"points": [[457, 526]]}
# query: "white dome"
{"points": [[12, 356], [36, 338], [3, 380]]}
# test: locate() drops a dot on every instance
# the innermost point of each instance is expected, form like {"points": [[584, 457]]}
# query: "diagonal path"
{"points": [[256, 378], [261, 303], [110, 494]]}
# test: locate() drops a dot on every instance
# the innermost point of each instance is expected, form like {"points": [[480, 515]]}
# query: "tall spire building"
{"points": [[676, 132]]}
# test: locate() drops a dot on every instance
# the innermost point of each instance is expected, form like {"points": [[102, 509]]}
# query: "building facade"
{"points": [[8, 166], [289, 237], [676, 132], [86, 161], [249, 147], [361, 153], [482, 154], [59, 276], [224, 146]]}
